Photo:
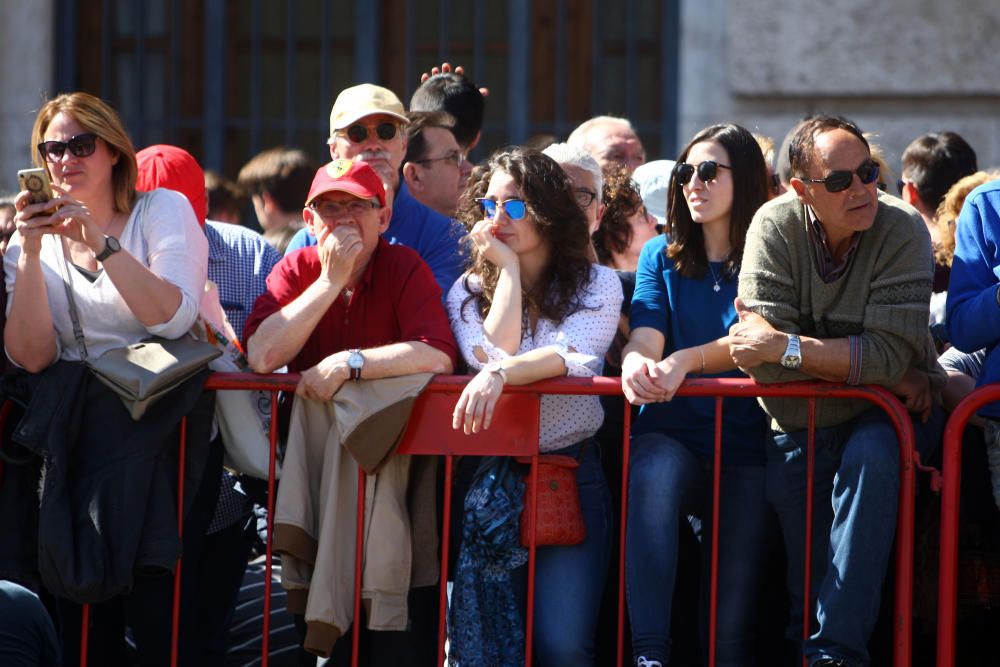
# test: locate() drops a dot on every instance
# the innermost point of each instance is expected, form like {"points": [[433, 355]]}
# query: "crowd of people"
{"points": [[397, 260]]}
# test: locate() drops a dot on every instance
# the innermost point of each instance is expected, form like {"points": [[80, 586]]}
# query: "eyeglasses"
{"points": [[80, 145], [331, 210], [584, 197], [840, 180], [900, 184], [358, 132], [707, 171], [455, 157], [515, 209]]}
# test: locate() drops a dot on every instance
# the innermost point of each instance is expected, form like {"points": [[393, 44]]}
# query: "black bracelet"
{"points": [[997, 295]]}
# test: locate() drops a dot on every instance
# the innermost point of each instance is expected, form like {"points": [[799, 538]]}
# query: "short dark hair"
{"points": [[936, 161], [224, 196], [800, 150], [457, 95], [283, 173], [416, 146]]}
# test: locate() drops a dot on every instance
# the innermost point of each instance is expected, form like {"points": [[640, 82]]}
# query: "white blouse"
{"points": [[581, 339], [162, 233]]}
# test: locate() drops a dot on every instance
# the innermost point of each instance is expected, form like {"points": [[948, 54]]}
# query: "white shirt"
{"points": [[581, 339], [162, 233]]}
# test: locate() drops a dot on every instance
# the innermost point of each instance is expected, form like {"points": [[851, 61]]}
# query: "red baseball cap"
{"points": [[173, 168], [355, 178]]}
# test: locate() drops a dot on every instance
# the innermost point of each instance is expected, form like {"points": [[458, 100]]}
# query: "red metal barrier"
{"points": [[429, 433], [951, 471]]}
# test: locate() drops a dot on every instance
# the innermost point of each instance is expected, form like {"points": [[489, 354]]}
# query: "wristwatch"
{"points": [[111, 246], [496, 367], [355, 361], [792, 358]]}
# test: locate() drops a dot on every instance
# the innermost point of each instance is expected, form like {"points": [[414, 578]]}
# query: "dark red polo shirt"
{"points": [[396, 301]]}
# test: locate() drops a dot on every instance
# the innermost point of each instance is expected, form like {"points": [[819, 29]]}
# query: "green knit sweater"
{"points": [[883, 297]]}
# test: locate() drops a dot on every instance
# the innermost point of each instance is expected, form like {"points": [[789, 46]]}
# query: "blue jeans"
{"points": [[666, 483], [855, 498], [569, 581]]}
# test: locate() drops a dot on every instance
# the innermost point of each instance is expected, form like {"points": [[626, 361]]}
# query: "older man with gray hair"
{"points": [[611, 140], [588, 182], [367, 124]]}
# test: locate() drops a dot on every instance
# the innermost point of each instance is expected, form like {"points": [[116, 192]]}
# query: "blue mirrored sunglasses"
{"points": [[515, 209]]}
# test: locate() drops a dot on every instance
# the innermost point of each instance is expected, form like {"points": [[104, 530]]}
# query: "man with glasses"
{"points": [[588, 181], [435, 168], [835, 285], [367, 124], [353, 307]]}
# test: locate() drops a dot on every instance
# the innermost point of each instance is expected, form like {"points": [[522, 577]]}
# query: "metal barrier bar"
{"points": [[810, 488], [443, 389], [176, 613], [626, 458], [713, 600], [951, 471]]}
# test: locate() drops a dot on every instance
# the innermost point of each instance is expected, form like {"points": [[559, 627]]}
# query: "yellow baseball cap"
{"points": [[363, 100]]}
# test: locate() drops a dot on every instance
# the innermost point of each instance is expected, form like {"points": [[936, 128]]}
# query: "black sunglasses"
{"points": [[838, 181], [80, 145], [358, 133], [707, 171]]}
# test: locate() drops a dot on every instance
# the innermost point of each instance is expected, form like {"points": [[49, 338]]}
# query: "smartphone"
{"points": [[36, 182]]}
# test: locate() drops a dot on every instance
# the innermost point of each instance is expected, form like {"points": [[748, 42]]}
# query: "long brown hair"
{"points": [[750, 191], [551, 203], [98, 117]]}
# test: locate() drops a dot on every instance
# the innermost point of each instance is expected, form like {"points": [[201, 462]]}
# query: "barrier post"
{"points": [[951, 478], [176, 613]]}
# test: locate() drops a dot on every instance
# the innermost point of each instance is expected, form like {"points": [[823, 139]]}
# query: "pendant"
{"points": [[716, 288]]}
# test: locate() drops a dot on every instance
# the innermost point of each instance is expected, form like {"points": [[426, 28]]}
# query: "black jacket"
{"points": [[107, 505]]}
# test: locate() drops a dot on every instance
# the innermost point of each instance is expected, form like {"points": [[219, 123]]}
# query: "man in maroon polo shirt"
{"points": [[352, 306], [355, 307]]}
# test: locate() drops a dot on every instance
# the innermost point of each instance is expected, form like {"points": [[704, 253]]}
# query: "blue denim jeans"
{"points": [[667, 483], [569, 581], [855, 498]]}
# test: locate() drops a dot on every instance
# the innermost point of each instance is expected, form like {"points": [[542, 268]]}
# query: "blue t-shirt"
{"points": [[973, 315], [436, 238], [688, 312]]}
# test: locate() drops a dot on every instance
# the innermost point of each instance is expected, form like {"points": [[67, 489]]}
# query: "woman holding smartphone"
{"points": [[135, 266], [533, 306], [681, 313]]}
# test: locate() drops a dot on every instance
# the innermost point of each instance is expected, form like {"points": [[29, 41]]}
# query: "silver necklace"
{"points": [[717, 279]]}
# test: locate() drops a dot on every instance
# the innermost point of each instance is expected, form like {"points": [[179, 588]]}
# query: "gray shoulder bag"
{"points": [[144, 372]]}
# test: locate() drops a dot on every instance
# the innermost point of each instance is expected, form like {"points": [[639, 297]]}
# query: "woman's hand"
{"points": [[641, 379], [493, 250], [673, 370], [74, 220], [32, 221], [474, 410]]}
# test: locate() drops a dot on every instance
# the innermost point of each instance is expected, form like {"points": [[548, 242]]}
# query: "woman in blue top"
{"points": [[681, 313]]}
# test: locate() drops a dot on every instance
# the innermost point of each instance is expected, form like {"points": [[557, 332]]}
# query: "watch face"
{"points": [[113, 244], [791, 361], [355, 360]]}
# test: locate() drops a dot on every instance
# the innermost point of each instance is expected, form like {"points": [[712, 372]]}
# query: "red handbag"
{"points": [[560, 519]]}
